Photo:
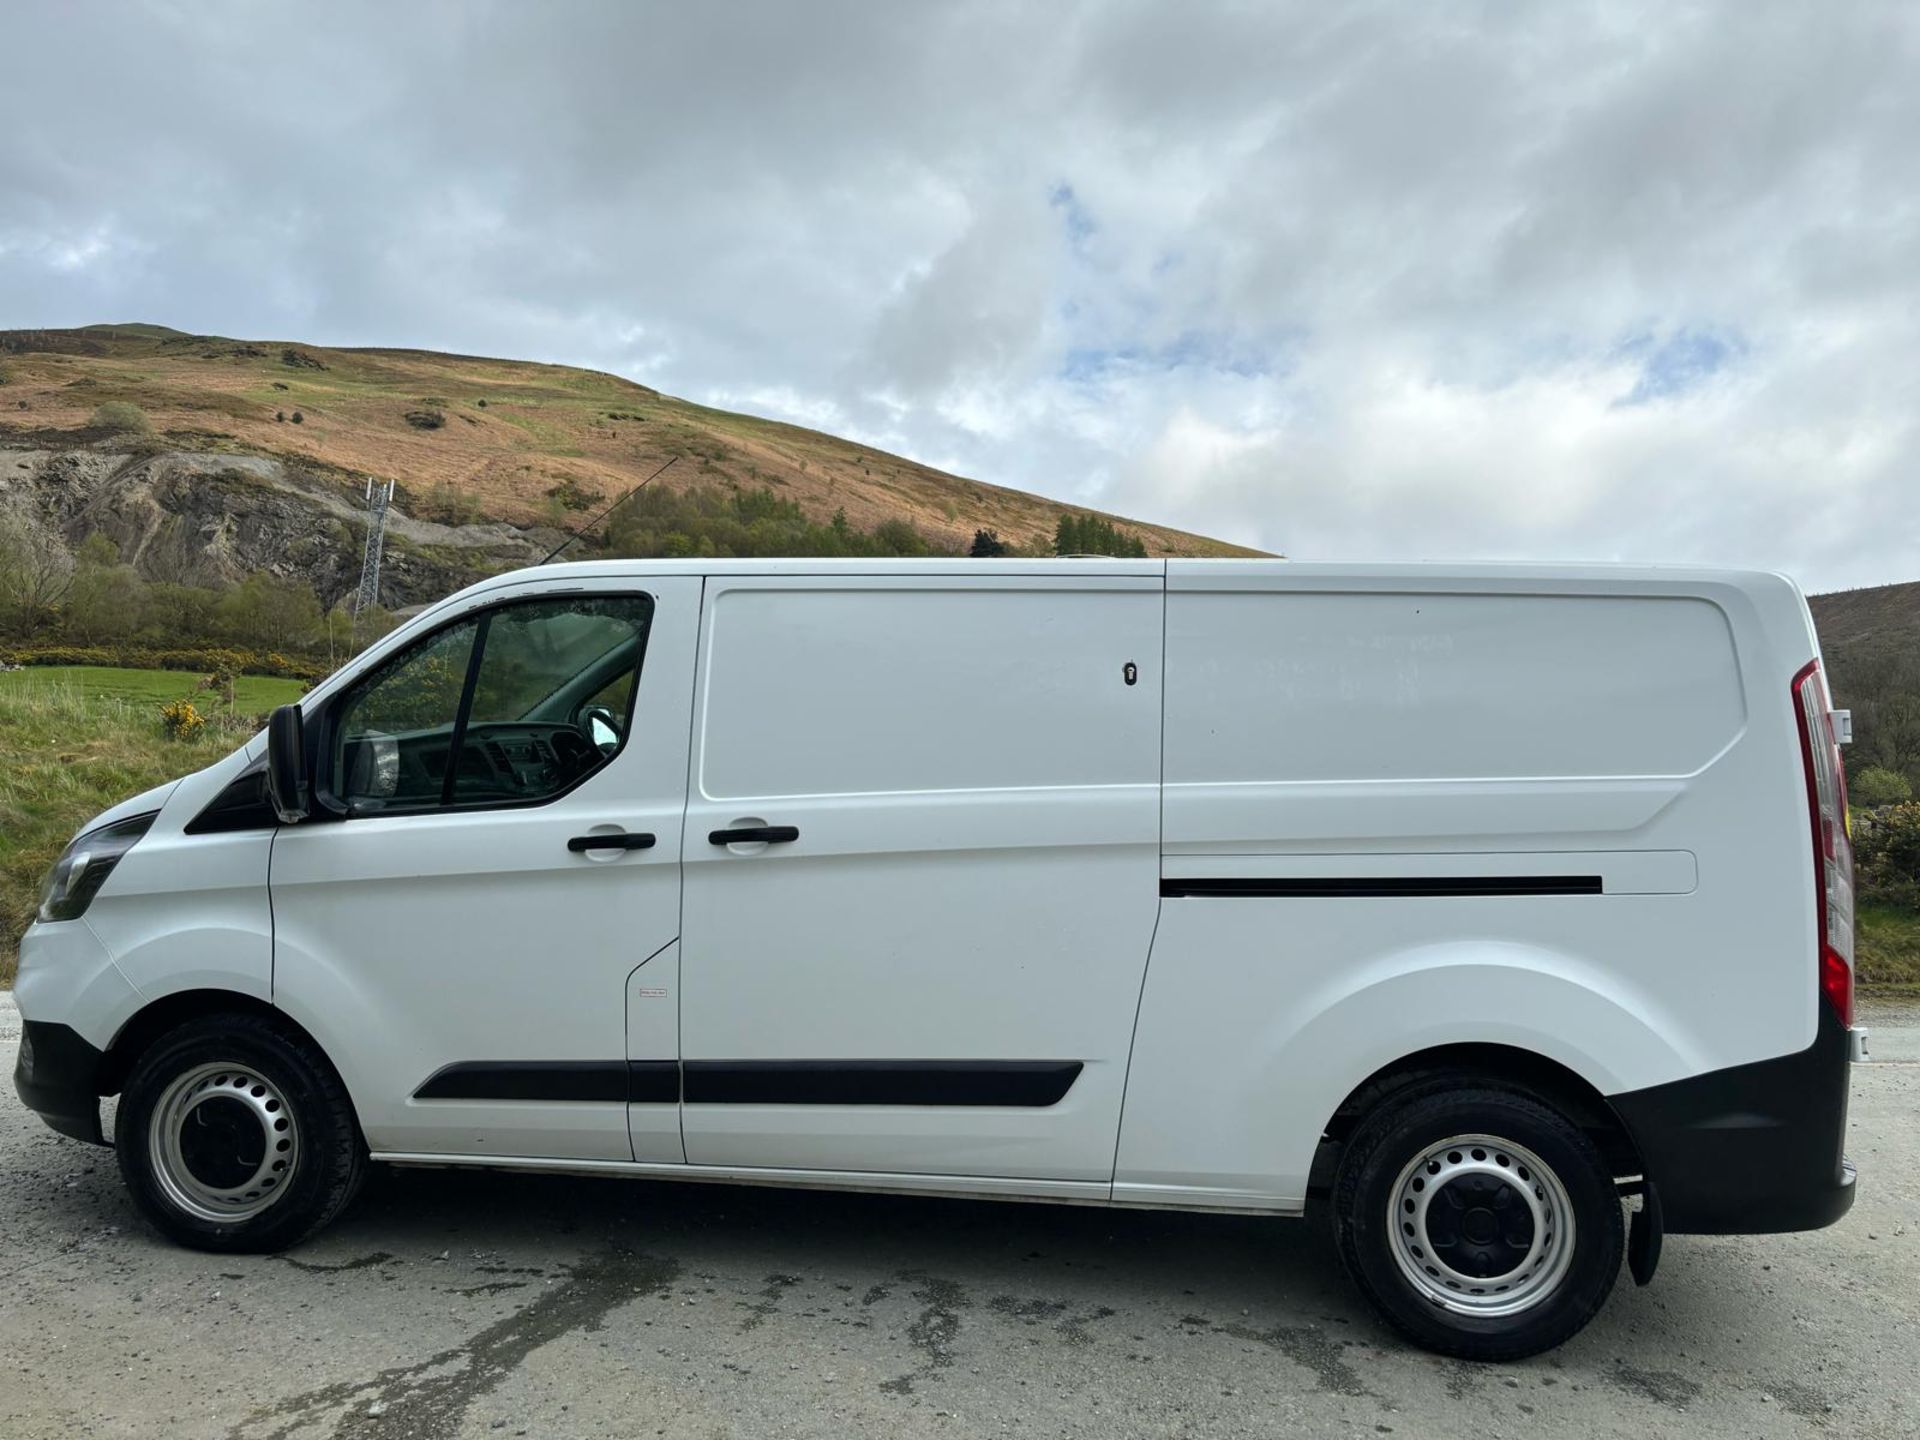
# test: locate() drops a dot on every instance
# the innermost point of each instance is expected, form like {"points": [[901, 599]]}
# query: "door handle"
{"points": [[748, 834], [631, 840]]}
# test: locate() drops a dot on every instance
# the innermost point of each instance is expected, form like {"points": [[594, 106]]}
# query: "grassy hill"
{"points": [[1871, 640], [505, 436]]}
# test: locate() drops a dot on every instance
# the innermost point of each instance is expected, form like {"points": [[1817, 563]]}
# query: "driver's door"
{"points": [[461, 940]]}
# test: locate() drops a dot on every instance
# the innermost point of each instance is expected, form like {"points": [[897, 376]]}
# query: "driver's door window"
{"points": [[514, 706]]}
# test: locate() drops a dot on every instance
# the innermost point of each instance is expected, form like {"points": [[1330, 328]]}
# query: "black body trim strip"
{"points": [[1357, 886], [527, 1080], [1014, 1083], [1026, 1084], [653, 1082]]}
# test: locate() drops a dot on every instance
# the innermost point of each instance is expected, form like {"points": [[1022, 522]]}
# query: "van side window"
{"points": [[511, 707]]}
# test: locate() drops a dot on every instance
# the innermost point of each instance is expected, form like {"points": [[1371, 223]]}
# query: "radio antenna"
{"points": [[588, 525]]}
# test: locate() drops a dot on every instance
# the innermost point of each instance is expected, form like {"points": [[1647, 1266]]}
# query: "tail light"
{"points": [[1832, 845]]}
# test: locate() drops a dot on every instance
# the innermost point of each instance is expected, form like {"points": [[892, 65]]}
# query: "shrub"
{"points": [[426, 419], [121, 418], [220, 682], [481, 403], [446, 503], [898, 537], [204, 660], [1876, 785], [281, 416], [1887, 854], [181, 719], [572, 495], [298, 418]]}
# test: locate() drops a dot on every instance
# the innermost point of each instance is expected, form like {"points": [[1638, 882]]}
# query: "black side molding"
{"points": [[636, 1082], [1362, 886], [1013, 1083], [527, 1080], [653, 1082]]}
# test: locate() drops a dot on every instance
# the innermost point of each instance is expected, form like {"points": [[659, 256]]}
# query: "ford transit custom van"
{"points": [[1502, 914]]}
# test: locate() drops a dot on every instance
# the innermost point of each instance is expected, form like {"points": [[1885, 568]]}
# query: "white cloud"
{"points": [[1373, 281]]}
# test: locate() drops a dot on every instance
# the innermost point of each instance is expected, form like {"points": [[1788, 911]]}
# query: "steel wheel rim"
{"points": [[224, 1142], [1465, 1207]]}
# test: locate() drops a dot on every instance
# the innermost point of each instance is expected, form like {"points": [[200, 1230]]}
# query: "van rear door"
{"points": [[920, 869]]}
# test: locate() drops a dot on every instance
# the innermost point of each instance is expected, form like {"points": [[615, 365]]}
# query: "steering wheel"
{"points": [[572, 749]]}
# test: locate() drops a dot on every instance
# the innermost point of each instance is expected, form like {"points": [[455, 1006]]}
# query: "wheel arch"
{"points": [[169, 1012], [1480, 1062]]}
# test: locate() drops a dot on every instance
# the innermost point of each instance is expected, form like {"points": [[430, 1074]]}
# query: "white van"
{"points": [[1480, 906]]}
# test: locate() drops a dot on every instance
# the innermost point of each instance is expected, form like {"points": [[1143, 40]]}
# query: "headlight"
{"points": [[83, 867]]}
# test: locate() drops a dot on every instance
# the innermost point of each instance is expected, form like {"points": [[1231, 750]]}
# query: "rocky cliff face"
{"points": [[212, 519]]}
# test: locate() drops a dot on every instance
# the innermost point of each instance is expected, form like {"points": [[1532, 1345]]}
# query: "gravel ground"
{"points": [[452, 1304]]}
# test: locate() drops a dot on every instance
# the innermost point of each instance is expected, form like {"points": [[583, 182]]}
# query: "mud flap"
{"points": [[1644, 1236]]}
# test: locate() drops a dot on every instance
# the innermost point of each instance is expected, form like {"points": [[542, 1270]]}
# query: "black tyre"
{"points": [[1478, 1221], [235, 1134]]}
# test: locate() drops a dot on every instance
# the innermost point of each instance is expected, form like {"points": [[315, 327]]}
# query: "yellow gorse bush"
{"points": [[181, 719]]}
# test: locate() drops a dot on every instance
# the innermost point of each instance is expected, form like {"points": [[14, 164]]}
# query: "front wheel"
{"points": [[235, 1134], [1479, 1222]]}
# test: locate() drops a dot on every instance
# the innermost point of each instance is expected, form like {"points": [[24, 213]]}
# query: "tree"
{"points": [[1091, 535], [35, 574], [180, 614], [986, 544], [264, 612], [1876, 786], [106, 600]]}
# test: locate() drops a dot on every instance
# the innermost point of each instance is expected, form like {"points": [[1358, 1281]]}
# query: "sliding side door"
{"points": [[921, 870]]}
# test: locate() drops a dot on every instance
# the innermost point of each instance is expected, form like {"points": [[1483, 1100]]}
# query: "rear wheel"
{"points": [[235, 1134], [1479, 1221]]}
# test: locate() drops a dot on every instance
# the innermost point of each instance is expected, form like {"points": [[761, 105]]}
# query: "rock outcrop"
{"points": [[206, 518]]}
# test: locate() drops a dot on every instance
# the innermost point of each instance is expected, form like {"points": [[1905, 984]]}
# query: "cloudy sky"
{"points": [[1399, 281]]}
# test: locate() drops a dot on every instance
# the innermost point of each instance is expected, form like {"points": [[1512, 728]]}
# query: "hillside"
{"points": [[1871, 640], [503, 438]]}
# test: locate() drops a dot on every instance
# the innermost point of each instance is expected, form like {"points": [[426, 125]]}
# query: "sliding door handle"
{"points": [[754, 834], [631, 840]]}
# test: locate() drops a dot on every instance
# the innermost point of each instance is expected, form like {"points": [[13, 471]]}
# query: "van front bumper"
{"points": [[1753, 1149], [56, 1076]]}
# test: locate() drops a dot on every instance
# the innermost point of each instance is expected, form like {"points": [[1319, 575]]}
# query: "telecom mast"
{"points": [[379, 496]]}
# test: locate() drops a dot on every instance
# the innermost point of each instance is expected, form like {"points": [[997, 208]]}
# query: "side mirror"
{"points": [[287, 765]]}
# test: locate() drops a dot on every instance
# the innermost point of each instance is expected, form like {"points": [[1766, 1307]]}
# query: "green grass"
{"points": [[1887, 950], [252, 694], [67, 751]]}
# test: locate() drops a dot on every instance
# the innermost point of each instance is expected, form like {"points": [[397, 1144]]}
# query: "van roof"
{"points": [[1234, 569]]}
